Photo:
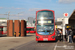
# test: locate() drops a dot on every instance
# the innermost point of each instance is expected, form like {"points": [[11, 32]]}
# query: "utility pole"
{"points": [[3, 14], [8, 15]]}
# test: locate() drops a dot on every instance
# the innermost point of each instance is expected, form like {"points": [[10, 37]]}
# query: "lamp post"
{"points": [[65, 15], [63, 29]]}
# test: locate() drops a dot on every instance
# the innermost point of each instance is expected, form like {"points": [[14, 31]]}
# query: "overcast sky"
{"points": [[28, 8]]}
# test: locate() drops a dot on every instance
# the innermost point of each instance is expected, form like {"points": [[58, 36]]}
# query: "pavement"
{"points": [[29, 43], [64, 46]]}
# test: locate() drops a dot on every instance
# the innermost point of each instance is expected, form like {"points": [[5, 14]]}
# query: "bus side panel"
{"points": [[0, 33], [32, 31], [27, 31]]}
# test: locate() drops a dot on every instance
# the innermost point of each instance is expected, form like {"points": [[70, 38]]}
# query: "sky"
{"points": [[22, 9]]}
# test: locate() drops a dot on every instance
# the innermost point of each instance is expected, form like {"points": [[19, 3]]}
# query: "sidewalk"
{"points": [[65, 46]]}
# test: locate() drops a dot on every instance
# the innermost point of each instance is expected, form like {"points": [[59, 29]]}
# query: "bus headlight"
{"points": [[50, 33]]}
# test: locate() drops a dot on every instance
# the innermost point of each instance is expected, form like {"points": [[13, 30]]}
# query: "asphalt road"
{"points": [[29, 43], [33, 45]]}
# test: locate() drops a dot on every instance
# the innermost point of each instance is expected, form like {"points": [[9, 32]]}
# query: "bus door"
{"points": [[1, 31]]}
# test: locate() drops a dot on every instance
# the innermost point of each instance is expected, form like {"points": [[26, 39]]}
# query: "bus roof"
{"points": [[45, 10]]}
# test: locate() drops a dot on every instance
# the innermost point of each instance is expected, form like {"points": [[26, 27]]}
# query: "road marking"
{"points": [[55, 46]]}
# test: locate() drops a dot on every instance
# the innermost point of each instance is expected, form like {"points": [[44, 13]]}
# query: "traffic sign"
{"points": [[66, 14]]}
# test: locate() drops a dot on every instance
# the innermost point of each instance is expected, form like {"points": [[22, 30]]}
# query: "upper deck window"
{"points": [[45, 15]]}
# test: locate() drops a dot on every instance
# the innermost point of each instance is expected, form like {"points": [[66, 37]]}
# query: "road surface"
{"points": [[29, 43]]}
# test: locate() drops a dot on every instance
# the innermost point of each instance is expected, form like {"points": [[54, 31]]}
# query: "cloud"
{"points": [[21, 16], [17, 8], [34, 9], [17, 15], [1, 7], [11, 8], [66, 1]]}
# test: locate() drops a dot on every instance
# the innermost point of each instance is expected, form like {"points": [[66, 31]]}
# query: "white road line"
{"points": [[55, 46]]}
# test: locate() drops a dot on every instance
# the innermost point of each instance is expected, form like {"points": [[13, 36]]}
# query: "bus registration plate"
{"points": [[45, 39]]}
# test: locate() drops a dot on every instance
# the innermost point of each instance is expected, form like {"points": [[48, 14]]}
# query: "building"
{"points": [[31, 22], [69, 20], [59, 22], [72, 20]]}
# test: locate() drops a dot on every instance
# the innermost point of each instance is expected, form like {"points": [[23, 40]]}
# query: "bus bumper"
{"points": [[3, 34], [45, 39]]}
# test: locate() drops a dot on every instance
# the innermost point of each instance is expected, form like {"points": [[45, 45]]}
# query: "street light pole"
{"points": [[64, 23], [63, 29]]}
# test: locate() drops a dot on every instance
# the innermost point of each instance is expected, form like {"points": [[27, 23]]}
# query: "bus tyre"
{"points": [[56, 39], [38, 41]]}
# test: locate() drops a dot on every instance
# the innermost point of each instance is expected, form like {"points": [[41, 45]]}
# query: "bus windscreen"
{"points": [[30, 29], [45, 15], [45, 29]]}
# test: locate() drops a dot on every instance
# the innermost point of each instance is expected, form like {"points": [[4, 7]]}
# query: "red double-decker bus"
{"points": [[30, 30], [3, 31], [45, 25]]}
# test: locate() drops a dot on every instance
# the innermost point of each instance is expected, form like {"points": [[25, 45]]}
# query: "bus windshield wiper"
{"points": [[48, 30]]}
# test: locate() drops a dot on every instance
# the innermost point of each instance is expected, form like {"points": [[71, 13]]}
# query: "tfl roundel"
{"points": [[65, 14]]}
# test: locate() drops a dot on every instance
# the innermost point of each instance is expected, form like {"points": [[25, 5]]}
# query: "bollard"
{"points": [[19, 34], [15, 34]]}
